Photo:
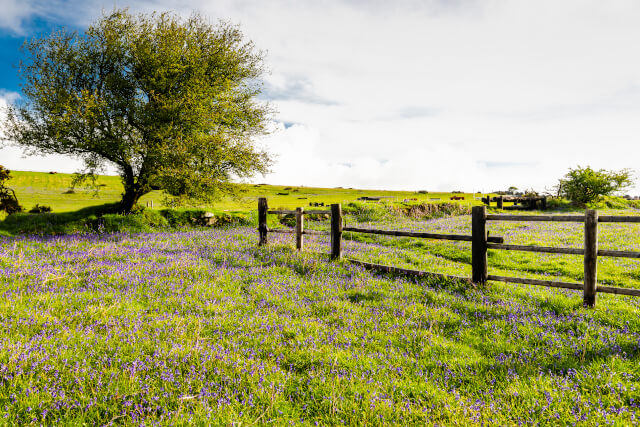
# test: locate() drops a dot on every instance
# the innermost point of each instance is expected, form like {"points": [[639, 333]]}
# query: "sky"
{"points": [[437, 95]]}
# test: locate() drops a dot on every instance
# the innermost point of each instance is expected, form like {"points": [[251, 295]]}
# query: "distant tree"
{"points": [[171, 103], [585, 185], [512, 189], [8, 200]]}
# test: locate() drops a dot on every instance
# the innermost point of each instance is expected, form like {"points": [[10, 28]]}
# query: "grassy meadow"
{"points": [[202, 327], [53, 190]]}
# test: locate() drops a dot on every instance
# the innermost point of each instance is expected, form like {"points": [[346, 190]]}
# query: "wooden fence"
{"points": [[481, 242]]}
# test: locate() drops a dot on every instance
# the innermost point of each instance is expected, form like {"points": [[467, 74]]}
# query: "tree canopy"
{"points": [[171, 103], [585, 185], [8, 200]]}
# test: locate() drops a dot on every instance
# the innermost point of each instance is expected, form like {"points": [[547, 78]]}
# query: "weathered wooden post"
{"points": [[299, 228], [479, 264], [336, 231], [262, 220], [590, 257], [500, 202]]}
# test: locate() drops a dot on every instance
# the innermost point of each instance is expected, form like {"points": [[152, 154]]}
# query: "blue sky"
{"points": [[9, 47], [413, 94]]}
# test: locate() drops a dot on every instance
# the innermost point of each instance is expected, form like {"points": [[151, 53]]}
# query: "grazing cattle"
{"points": [[456, 198]]}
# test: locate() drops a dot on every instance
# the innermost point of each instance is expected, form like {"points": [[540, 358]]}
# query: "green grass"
{"points": [[205, 328], [202, 327], [107, 219], [52, 190]]}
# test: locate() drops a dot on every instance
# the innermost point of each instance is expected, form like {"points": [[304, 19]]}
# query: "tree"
{"points": [[585, 185], [171, 103], [8, 200]]}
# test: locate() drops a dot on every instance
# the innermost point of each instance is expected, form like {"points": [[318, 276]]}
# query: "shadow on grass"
{"points": [[83, 220], [107, 218]]}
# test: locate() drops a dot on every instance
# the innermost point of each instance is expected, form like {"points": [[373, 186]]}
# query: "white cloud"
{"points": [[12, 157], [13, 13]]}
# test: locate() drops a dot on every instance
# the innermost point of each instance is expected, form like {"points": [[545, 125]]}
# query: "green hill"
{"points": [[53, 190]]}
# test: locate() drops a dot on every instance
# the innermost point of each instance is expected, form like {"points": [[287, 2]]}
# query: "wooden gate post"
{"points": [[262, 220], [336, 231], [479, 264], [500, 202], [590, 257], [299, 228]]}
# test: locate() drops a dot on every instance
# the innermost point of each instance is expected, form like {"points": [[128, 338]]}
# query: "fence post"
{"points": [[479, 265], [336, 231], [590, 257], [262, 220], [299, 228], [500, 202]]}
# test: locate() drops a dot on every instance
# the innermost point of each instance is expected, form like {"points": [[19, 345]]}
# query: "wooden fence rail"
{"points": [[481, 242], [400, 233]]}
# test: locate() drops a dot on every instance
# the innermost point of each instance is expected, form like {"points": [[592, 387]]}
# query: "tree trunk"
{"points": [[134, 188], [129, 199]]}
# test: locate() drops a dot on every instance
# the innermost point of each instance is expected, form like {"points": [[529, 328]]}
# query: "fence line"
{"points": [[480, 244]]}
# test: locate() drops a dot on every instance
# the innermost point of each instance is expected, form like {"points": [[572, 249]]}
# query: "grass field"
{"points": [[202, 327], [52, 190], [205, 328]]}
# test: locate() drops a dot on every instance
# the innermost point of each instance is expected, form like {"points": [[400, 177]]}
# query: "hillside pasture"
{"points": [[53, 190]]}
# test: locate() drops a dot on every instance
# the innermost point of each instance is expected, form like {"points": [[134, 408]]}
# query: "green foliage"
{"points": [[198, 217], [8, 200], [585, 185], [289, 220], [107, 219], [170, 103], [143, 221], [433, 210], [40, 209], [559, 204], [365, 212]]}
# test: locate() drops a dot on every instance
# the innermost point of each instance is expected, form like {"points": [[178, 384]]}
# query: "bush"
{"points": [[40, 209], [8, 200], [108, 219], [585, 185], [289, 220], [144, 221], [365, 212], [184, 217], [198, 217], [433, 210]]}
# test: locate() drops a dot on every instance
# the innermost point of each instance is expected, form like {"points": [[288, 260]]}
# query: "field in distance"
{"points": [[53, 190]]}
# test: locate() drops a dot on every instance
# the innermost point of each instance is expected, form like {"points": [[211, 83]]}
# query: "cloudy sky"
{"points": [[413, 94]]}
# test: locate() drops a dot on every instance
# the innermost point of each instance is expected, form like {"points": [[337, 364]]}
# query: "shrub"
{"points": [[289, 220], [8, 200], [433, 210], [40, 209], [585, 185], [364, 212]]}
